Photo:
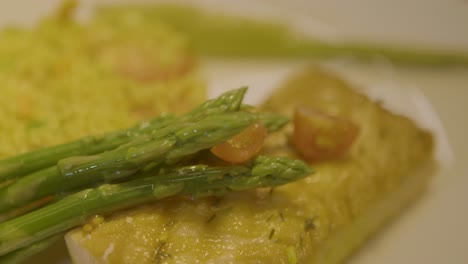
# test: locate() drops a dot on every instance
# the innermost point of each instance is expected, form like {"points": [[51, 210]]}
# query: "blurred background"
{"points": [[435, 23]]}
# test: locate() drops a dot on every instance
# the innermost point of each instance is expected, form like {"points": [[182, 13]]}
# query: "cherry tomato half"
{"points": [[320, 136], [243, 146]]}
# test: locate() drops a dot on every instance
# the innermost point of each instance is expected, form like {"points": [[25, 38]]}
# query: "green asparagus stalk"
{"points": [[195, 181], [23, 254], [272, 121], [23, 164], [222, 36], [165, 146]]}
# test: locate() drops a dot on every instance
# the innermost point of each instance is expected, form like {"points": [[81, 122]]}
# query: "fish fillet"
{"points": [[321, 219]]}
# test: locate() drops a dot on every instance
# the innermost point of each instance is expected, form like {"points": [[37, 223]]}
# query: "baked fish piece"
{"points": [[320, 219]]}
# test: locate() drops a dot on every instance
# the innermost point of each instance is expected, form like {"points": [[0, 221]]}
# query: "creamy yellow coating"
{"points": [[294, 223]]}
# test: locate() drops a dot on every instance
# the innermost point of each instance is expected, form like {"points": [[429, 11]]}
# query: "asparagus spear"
{"points": [[222, 36], [165, 146], [273, 122], [22, 254], [42, 158], [196, 181]]}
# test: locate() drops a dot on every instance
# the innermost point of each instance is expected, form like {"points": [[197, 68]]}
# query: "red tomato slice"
{"points": [[243, 146], [320, 136]]}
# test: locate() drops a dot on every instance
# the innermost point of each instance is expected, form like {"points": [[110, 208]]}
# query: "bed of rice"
{"points": [[61, 80]]}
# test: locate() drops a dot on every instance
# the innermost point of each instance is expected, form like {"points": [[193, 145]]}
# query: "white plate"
{"points": [[433, 230]]}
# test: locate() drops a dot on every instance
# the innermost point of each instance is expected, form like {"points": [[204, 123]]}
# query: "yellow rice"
{"points": [[62, 80]]}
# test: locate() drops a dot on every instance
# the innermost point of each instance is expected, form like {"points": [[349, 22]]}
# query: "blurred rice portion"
{"points": [[63, 80]]}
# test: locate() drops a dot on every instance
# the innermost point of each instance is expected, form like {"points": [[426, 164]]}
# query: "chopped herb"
{"points": [[160, 254], [281, 216], [217, 201], [170, 223], [271, 191], [35, 124], [272, 233], [309, 224], [212, 217]]}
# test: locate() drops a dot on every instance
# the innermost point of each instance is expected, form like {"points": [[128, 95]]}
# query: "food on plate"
{"points": [[194, 181], [243, 146], [319, 135], [94, 158], [319, 219], [156, 162]]}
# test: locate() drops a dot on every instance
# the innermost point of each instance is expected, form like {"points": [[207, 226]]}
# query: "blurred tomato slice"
{"points": [[243, 146], [320, 136]]}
